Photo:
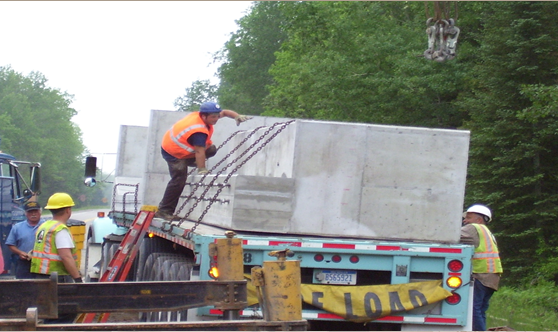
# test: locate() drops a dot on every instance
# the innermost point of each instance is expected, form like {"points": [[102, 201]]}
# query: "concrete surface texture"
{"points": [[317, 177]]}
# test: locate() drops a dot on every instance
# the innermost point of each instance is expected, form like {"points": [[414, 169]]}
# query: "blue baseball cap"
{"points": [[210, 107]]}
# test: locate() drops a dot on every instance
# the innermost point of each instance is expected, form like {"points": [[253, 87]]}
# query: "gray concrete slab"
{"points": [[325, 178]]}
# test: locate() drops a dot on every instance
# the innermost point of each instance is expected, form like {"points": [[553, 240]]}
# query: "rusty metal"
{"points": [[19, 294], [117, 296], [31, 323]]}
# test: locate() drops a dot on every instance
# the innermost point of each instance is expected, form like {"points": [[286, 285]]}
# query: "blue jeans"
{"points": [[481, 298]]}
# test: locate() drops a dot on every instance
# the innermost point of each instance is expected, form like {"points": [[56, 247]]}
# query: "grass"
{"points": [[532, 309]]}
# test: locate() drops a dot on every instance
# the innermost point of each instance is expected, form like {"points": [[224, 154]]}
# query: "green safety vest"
{"points": [[45, 258], [486, 258]]}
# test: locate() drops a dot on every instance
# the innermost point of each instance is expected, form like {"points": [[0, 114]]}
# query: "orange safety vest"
{"points": [[486, 258], [175, 140]]}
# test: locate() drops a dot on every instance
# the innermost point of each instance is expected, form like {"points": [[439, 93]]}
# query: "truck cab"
{"points": [[19, 183]]}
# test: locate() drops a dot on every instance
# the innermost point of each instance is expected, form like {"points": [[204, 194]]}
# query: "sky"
{"points": [[119, 59]]}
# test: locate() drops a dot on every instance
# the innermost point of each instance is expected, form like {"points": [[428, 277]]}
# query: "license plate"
{"points": [[335, 277]]}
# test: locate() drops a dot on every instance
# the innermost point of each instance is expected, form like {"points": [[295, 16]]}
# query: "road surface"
{"points": [[88, 258]]}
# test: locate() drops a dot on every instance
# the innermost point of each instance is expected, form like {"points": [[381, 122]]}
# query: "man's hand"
{"points": [[202, 171], [241, 118]]}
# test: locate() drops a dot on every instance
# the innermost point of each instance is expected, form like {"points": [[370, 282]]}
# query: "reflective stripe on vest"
{"points": [[45, 258], [486, 258], [175, 140]]}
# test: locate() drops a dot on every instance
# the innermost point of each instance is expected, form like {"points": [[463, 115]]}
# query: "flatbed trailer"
{"points": [[345, 263], [372, 212]]}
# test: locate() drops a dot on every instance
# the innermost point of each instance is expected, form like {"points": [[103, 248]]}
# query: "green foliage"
{"points": [[532, 309], [362, 61], [35, 125], [197, 94], [247, 57], [509, 100]]}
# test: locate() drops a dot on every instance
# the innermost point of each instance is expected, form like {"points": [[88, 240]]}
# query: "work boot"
{"points": [[163, 215]]}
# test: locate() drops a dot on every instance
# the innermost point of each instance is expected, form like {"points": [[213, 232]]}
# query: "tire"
{"points": [[184, 274], [158, 267], [108, 251], [148, 246], [159, 273]]}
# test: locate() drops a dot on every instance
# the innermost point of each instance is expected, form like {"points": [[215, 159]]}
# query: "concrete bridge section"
{"points": [[318, 178]]}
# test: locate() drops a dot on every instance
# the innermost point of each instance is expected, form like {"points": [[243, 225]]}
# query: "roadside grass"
{"points": [[532, 309]]}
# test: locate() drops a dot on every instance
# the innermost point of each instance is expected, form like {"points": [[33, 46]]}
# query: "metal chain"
{"points": [[114, 189], [198, 184], [223, 169], [234, 170]]}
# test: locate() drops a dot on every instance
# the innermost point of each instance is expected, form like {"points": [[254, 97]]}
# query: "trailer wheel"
{"points": [[160, 273], [184, 274], [148, 247], [157, 268], [108, 251]]}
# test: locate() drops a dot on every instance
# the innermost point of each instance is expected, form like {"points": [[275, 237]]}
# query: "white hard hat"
{"points": [[480, 209]]}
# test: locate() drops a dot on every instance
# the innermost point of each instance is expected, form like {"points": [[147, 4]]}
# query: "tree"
{"points": [[360, 61], [510, 97], [35, 125], [197, 94], [247, 57]]}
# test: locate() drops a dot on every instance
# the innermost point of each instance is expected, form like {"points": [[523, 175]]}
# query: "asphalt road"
{"points": [[91, 256]]}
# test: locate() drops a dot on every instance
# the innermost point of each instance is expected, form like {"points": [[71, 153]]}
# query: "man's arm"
{"points": [[69, 262], [64, 245], [234, 115], [199, 152], [20, 253], [228, 113]]}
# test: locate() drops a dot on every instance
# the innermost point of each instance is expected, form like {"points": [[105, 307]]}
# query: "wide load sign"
{"points": [[362, 304]]}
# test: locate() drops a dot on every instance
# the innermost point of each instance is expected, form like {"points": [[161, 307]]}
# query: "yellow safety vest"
{"points": [[45, 258], [486, 258]]}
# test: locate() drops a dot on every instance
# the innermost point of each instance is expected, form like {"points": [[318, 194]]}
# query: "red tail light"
{"points": [[354, 259], [455, 266], [336, 258], [318, 257], [454, 298]]}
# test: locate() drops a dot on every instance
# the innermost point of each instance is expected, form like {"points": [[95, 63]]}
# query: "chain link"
{"points": [[283, 125], [135, 192], [198, 184]]}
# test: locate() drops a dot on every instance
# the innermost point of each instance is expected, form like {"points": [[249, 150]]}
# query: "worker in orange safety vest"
{"points": [[188, 143]]}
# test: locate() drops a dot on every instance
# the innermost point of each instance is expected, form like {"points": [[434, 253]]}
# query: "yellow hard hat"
{"points": [[58, 201]]}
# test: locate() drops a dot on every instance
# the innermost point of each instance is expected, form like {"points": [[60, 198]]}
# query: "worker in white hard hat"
{"points": [[487, 266]]}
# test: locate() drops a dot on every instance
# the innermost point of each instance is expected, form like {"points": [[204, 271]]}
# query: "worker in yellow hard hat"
{"points": [[55, 249]]}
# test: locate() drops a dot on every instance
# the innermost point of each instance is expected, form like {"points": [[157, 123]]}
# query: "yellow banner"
{"points": [[366, 303]]}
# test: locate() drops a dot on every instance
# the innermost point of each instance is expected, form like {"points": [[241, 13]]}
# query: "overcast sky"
{"points": [[120, 59]]}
